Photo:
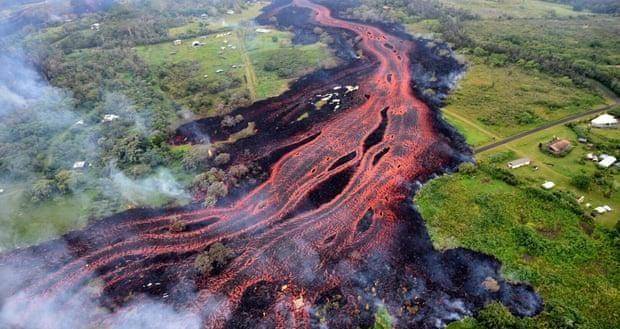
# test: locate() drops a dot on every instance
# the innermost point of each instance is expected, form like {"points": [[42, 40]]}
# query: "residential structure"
{"points": [[519, 163], [559, 146], [604, 121], [607, 161]]}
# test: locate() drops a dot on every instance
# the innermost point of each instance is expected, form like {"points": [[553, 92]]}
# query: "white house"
{"points": [[604, 121], [607, 161], [519, 163], [602, 209], [177, 42], [79, 165], [548, 185], [110, 117]]}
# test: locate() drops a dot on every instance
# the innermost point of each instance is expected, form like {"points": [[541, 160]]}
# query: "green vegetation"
{"points": [[512, 9], [495, 101], [580, 46], [383, 320], [231, 69], [213, 259], [541, 237], [603, 190]]}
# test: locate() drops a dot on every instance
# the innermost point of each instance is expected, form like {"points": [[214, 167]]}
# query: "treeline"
{"points": [[596, 6]]}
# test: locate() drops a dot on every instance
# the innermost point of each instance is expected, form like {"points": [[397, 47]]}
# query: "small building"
{"points": [[607, 161], [604, 121], [230, 12], [95, 26], [1, 190], [559, 146], [219, 71], [262, 30], [582, 140], [602, 209], [79, 165], [548, 185], [519, 163], [592, 157], [110, 117], [196, 43], [177, 42]]}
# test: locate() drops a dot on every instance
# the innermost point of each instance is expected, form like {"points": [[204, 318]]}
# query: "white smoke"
{"points": [[144, 191]]}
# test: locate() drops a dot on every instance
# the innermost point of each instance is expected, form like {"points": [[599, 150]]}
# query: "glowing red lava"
{"points": [[326, 239]]}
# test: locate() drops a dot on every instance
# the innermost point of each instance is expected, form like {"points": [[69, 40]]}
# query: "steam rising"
{"points": [[142, 191]]}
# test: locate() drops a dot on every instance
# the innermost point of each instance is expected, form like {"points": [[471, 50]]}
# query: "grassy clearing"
{"points": [[240, 57], [506, 100], [560, 170], [489, 9], [26, 223], [218, 24], [537, 239]]}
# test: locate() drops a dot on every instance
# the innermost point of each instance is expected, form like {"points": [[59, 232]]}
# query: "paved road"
{"points": [[543, 127]]}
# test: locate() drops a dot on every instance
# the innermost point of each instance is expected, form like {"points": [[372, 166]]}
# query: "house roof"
{"points": [[604, 119], [559, 145], [519, 161], [607, 161]]}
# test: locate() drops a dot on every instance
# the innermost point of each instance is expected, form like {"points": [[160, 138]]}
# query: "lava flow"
{"points": [[328, 238]]}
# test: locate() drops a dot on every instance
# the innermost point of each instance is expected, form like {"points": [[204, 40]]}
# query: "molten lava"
{"points": [[327, 238]]}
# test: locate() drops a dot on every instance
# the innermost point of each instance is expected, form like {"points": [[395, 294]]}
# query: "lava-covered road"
{"points": [[328, 238]]}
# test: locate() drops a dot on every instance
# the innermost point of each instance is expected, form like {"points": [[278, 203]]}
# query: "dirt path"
{"points": [[543, 127], [247, 65]]}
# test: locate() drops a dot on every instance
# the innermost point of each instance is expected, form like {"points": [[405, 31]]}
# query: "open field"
{"points": [[219, 24], [488, 9], [23, 225], [492, 102], [538, 239], [232, 64]]}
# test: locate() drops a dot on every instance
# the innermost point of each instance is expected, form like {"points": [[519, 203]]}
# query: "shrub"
{"points": [[467, 168], [42, 189], [221, 159], [581, 182], [215, 258]]}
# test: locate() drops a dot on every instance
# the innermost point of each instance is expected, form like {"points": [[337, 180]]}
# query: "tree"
{"points": [[176, 225], [221, 159], [467, 168], [42, 189], [197, 158], [581, 181], [65, 181], [215, 258]]}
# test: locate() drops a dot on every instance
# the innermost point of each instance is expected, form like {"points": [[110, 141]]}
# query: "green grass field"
{"points": [[538, 240], [22, 224], [219, 24], [492, 9], [240, 54], [492, 102]]}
